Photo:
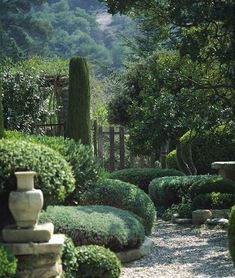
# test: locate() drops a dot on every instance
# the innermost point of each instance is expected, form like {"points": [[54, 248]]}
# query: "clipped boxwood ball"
{"points": [[167, 191], [122, 195], [54, 175], [142, 177], [99, 225], [231, 234], [97, 262], [211, 183], [214, 200]]}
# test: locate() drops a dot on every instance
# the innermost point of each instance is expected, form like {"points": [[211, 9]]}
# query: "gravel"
{"points": [[184, 252]]}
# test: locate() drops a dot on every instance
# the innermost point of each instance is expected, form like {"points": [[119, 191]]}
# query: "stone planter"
{"points": [[26, 202]]}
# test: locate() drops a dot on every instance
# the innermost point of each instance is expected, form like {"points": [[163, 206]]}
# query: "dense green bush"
{"points": [[167, 191], [54, 175], [97, 262], [69, 259], [213, 183], [143, 176], [213, 201], [85, 168], [171, 160], [100, 225], [215, 145], [184, 210], [231, 234], [8, 263], [122, 195]]}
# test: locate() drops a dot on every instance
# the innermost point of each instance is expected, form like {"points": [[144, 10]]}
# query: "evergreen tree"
{"points": [[78, 121]]}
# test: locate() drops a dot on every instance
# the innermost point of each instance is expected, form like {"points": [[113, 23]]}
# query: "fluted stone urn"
{"points": [[26, 202]]}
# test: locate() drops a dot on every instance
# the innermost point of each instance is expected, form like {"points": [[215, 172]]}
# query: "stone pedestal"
{"points": [[39, 260], [200, 216], [226, 169]]}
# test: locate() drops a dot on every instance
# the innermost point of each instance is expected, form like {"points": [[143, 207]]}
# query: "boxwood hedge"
{"points": [[142, 177], [231, 234], [54, 174], [99, 225], [122, 195]]}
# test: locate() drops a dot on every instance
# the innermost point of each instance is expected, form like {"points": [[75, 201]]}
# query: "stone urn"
{"points": [[26, 202]]}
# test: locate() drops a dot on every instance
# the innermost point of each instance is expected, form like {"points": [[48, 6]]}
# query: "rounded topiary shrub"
{"points": [[214, 200], [142, 177], [215, 145], [211, 183], [97, 262], [231, 234], [167, 191], [8, 263], [122, 195], [54, 175], [99, 225], [85, 168]]}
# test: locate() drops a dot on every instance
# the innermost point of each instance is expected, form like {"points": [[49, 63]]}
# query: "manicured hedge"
{"points": [[170, 190], [85, 168], [54, 174], [211, 183], [122, 195], [142, 177], [99, 225], [231, 234], [213, 201]]}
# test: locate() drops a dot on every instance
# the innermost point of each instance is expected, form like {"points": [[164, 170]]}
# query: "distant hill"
{"points": [[84, 28]]}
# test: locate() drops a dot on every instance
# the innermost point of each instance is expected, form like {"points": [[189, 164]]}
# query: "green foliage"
{"points": [[78, 121], [85, 168], [8, 263], [167, 191], [215, 145], [54, 174], [24, 101], [1, 113], [142, 177], [231, 234], [183, 209], [214, 200], [100, 225], [124, 196], [172, 160], [97, 262], [208, 184], [69, 259]]}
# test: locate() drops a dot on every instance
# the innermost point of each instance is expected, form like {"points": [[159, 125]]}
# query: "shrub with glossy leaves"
{"points": [[54, 175], [8, 263], [97, 262], [122, 195], [85, 168], [99, 225], [142, 177], [214, 200], [231, 234], [69, 259]]}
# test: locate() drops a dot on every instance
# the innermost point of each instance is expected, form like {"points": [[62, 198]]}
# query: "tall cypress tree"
{"points": [[78, 120], [1, 113]]}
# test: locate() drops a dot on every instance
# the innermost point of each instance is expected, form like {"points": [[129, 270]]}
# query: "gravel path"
{"points": [[184, 252]]}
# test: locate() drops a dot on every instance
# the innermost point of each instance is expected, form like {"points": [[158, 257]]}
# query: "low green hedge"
{"points": [[8, 263], [142, 177], [213, 201], [89, 261], [122, 195], [167, 191], [99, 225], [211, 183], [85, 168], [231, 234]]}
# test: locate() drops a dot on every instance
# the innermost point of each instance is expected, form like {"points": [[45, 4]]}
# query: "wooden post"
{"points": [[101, 145], [112, 149], [122, 147], [95, 138]]}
